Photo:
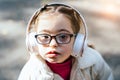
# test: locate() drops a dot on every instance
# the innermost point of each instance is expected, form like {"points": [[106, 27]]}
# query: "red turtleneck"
{"points": [[63, 69]]}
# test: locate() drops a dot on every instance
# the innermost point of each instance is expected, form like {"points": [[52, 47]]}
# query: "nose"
{"points": [[53, 43]]}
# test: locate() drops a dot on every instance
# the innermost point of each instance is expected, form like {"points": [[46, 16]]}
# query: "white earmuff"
{"points": [[31, 41], [78, 44], [81, 39]]}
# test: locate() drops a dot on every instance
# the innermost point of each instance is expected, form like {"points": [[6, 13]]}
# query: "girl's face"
{"points": [[54, 24]]}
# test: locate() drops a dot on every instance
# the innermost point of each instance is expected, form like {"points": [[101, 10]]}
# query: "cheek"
{"points": [[41, 50], [68, 48]]}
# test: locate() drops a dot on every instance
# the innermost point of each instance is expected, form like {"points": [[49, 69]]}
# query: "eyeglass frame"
{"points": [[55, 37]]}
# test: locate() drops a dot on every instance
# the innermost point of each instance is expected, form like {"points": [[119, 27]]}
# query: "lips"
{"points": [[52, 54]]}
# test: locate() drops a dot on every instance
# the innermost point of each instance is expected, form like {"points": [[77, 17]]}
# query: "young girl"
{"points": [[57, 43]]}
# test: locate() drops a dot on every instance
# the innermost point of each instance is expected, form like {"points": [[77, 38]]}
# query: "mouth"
{"points": [[52, 54]]}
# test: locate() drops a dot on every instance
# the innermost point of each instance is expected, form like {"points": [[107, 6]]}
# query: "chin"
{"points": [[53, 61]]}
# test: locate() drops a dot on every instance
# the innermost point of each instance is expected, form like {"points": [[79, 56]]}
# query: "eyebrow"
{"points": [[61, 30]]}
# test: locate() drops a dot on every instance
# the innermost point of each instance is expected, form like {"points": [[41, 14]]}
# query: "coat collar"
{"points": [[88, 58]]}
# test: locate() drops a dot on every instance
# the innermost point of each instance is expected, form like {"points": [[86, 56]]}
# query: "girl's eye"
{"points": [[43, 37], [63, 37]]}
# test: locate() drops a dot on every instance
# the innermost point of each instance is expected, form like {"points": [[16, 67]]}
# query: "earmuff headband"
{"points": [[80, 39]]}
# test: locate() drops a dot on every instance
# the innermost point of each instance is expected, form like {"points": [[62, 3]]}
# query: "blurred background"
{"points": [[102, 18]]}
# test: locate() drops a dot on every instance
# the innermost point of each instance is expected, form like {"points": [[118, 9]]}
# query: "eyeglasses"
{"points": [[60, 38]]}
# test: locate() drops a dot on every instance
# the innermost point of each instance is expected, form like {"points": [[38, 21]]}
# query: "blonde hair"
{"points": [[69, 12]]}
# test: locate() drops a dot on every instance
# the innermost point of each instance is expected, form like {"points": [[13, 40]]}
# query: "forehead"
{"points": [[53, 23]]}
